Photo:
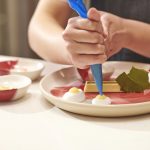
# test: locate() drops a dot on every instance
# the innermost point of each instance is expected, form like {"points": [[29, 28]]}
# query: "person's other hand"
{"points": [[115, 31], [85, 40]]}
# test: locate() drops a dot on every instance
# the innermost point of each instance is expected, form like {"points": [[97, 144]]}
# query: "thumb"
{"points": [[105, 24], [93, 14]]}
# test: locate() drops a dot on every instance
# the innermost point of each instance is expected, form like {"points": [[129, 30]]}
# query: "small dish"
{"points": [[13, 87], [27, 67]]}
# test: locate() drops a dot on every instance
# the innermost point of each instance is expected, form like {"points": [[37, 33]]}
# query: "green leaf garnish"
{"points": [[136, 81]]}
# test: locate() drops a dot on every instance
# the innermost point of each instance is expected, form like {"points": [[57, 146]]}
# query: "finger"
{"points": [[105, 24], [83, 36], [85, 60], [85, 24], [89, 25], [93, 14], [86, 48]]}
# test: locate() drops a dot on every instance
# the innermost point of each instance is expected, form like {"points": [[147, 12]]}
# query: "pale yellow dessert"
{"points": [[108, 86], [101, 100], [75, 95]]}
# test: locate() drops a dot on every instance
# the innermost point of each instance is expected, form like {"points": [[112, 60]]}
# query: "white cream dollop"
{"points": [[74, 95], [101, 100]]}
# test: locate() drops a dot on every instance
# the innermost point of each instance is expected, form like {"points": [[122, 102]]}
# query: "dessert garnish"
{"points": [[137, 80]]}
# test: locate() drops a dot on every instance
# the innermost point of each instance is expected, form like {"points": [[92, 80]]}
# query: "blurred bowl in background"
{"points": [[13, 87], [28, 67]]}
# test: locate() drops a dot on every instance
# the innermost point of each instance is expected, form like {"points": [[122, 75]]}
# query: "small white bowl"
{"points": [[22, 66], [14, 87], [5, 58], [29, 68]]}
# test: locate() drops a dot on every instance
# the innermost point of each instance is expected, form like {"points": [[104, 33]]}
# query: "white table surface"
{"points": [[32, 123]]}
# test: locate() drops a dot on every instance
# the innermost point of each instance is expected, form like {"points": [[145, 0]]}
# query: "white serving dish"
{"points": [[17, 87], [65, 76], [28, 67]]}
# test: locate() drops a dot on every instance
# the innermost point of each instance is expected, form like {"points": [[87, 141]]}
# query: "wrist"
{"points": [[127, 33]]}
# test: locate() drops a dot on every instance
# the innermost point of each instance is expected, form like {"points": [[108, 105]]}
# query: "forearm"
{"points": [[45, 31], [47, 41], [138, 37]]}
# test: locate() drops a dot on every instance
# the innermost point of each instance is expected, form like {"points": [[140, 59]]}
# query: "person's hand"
{"points": [[115, 31], [84, 40]]}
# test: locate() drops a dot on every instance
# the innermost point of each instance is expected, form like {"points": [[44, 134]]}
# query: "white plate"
{"points": [[28, 67], [15, 87], [65, 76]]}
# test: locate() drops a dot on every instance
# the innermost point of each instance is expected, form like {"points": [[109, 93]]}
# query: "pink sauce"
{"points": [[4, 72], [7, 95], [84, 73], [8, 64], [5, 66], [116, 98]]}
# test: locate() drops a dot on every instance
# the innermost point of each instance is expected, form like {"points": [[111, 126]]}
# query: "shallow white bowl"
{"points": [[29, 68], [18, 82]]}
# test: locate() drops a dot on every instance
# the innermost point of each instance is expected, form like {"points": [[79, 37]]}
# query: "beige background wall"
{"points": [[14, 19]]}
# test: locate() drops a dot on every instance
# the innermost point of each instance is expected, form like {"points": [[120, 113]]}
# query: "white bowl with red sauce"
{"points": [[13, 87]]}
